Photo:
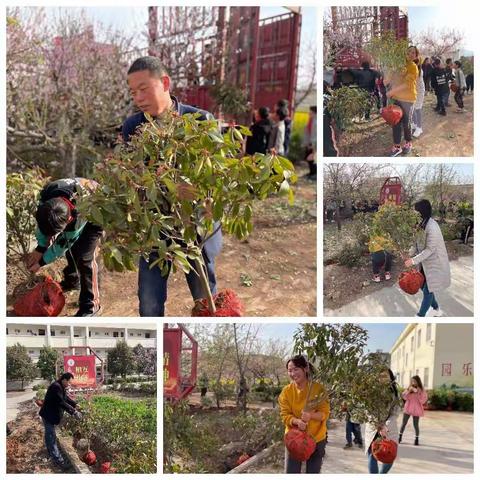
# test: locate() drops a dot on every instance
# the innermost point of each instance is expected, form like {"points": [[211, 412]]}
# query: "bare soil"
{"points": [[449, 136], [273, 272], [26, 452]]}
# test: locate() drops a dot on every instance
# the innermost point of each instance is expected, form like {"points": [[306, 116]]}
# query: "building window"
{"points": [[7, 330], [139, 334], [31, 352], [89, 333], [63, 332], [41, 332], [429, 332], [52, 333], [115, 334], [147, 335], [412, 343], [96, 333], [131, 334], [419, 339], [122, 334], [425, 378], [17, 331]]}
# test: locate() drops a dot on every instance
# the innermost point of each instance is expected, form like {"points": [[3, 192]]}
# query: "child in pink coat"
{"points": [[415, 398]]}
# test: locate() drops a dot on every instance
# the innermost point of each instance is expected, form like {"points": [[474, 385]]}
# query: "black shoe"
{"points": [[360, 445], [347, 445], [68, 286], [444, 113], [400, 438], [89, 313], [416, 441]]}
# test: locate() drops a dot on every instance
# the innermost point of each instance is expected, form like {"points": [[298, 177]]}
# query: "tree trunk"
{"points": [[337, 217]]}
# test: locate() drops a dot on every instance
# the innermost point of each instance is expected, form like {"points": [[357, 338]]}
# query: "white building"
{"points": [[64, 337], [439, 353]]}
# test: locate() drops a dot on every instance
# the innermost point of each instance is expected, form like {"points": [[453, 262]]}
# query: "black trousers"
{"points": [[82, 265], [406, 417]]}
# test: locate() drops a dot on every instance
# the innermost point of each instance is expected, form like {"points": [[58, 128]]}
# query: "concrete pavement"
{"points": [[13, 399], [456, 301]]}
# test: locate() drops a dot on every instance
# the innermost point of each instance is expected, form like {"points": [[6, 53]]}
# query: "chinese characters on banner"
{"points": [[83, 369]]}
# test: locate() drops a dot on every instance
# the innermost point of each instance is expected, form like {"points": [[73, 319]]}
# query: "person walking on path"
{"points": [[387, 429], [461, 86], [404, 93], [417, 107], [56, 402], [415, 398], [430, 252], [304, 405], [352, 428], [427, 74]]}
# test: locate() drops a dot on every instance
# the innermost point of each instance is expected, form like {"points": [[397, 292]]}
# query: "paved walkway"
{"points": [[456, 301], [13, 399], [432, 456]]}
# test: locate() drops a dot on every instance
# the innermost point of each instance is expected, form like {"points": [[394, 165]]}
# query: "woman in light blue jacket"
{"points": [[430, 252]]}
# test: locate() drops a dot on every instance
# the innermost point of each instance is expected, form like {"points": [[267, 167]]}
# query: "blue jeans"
{"points": [[373, 464], [427, 302], [353, 428], [51, 443], [152, 285]]}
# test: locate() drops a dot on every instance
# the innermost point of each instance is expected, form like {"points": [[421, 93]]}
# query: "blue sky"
{"points": [[382, 336]]}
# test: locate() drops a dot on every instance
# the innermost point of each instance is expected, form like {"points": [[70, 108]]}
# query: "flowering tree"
{"points": [[66, 92]]}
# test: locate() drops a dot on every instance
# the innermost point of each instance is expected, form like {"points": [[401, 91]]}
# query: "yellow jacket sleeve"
{"points": [[286, 412]]}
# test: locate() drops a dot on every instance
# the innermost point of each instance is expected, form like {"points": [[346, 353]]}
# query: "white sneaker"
{"points": [[437, 313], [418, 131], [414, 127]]}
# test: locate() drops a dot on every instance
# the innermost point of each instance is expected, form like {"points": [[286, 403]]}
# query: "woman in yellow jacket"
{"points": [[404, 92], [305, 414]]}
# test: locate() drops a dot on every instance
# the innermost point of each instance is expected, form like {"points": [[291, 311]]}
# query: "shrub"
{"points": [[463, 402], [346, 103], [350, 255], [449, 231]]}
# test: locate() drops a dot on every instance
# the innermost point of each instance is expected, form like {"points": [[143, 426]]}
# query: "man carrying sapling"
{"points": [[149, 85], [62, 231]]}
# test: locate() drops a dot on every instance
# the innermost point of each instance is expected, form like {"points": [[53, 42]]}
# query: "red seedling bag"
{"points": [[454, 87], [242, 458], [46, 299], [392, 114], [39, 403], [105, 467], [384, 450], [411, 281], [300, 445], [90, 458], [227, 303]]}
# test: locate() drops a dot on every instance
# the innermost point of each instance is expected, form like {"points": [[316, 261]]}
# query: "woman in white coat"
{"points": [[430, 252], [388, 429]]}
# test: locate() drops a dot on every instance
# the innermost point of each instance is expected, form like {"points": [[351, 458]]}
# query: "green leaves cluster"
{"points": [[349, 374], [47, 361], [121, 359], [231, 99], [19, 364], [398, 224], [346, 103], [23, 189], [388, 52], [126, 428], [171, 187]]}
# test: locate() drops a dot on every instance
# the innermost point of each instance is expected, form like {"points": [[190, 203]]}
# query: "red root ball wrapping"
{"points": [[384, 450], [392, 114], [90, 458], [226, 302], [45, 300], [411, 282], [300, 445]]}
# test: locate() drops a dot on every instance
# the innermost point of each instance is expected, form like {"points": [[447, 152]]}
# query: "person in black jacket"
{"points": [[440, 86], [56, 402], [258, 141], [365, 79], [427, 70]]}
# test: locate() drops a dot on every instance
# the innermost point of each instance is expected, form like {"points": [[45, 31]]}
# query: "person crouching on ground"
{"points": [[430, 252], [61, 231], [380, 256], [404, 93], [304, 405], [415, 398], [388, 429], [56, 402]]}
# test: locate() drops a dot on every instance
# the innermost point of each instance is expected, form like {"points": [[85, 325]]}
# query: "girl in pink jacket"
{"points": [[415, 398]]}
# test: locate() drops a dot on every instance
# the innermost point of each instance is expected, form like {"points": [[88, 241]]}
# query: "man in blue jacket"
{"points": [[61, 231], [149, 85], [56, 402]]}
